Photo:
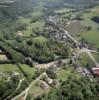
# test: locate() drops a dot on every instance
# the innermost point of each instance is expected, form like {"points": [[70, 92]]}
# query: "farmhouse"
{"points": [[43, 85], [55, 83], [19, 34], [3, 56], [95, 71], [49, 81]]}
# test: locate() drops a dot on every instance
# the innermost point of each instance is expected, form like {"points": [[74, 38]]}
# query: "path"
{"points": [[76, 42], [85, 50], [66, 32], [25, 92]]}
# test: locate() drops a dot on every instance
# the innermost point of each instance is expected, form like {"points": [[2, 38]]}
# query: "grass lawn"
{"points": [[8, 67], [84, 59], [63, 74], [36, 91], [24, 20], [28, 69], [96, 55], [63, 10], [37, 11], [38, 26], [40, 40], [87, 19], [91, 37], [13, 67]]}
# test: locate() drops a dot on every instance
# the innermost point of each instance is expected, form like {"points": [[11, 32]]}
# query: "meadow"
{"points": [[13, 67]]}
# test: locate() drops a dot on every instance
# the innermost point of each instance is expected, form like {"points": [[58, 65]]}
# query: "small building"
{"points": [[55, 83], [95, 71], [3, 56], [19, 33], [43, 85], [15, 74], [49, 81]]}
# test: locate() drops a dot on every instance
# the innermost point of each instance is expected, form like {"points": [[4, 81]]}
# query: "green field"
{"points": [[13, 67], [85, 60], [37, 26], [40, 40], [36, 91], [63, 10], [28, 70], [92, 37], [23, 20], [96, 55], [63, 74], [87, 20], [8, 68]]}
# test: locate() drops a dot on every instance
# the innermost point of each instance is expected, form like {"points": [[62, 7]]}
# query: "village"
{"points": [[45, 81]]}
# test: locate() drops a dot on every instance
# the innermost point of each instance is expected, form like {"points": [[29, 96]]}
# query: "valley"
{"points": [[48, 48]]}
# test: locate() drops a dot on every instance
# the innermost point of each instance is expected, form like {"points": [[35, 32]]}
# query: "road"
{"points": [[66, 32], [85, 50], [20, 82], [25, 92], [48, 65]]}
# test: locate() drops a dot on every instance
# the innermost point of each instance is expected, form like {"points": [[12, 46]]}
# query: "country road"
{"points": [[20, 82], [48, 65], [25, 92], [66, 32], [85, 50], [76, 42]]}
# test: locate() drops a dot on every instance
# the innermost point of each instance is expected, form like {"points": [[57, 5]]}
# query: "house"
{"points": [[95, 71], [49, 81], [19, 34], [43, 85], [3, 56], [55, 83], [15, 74]]}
